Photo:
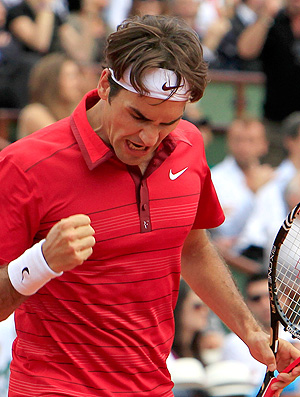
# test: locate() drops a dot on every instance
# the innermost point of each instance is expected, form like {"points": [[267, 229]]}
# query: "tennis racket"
{"points": [[284, 289]]}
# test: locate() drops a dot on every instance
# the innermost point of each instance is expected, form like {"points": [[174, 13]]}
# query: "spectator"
{"points": [[216, 31], [35, 26], [117, 11], [227, 56], [239, 177], [188, 10], [271, 204], [274, 38], [257, 298], [39, 30], [150, 7], [192, 322], [14, 69], [55, 88], [91, 30]]}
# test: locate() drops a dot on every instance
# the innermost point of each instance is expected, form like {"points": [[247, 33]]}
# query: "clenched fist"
{"points": [[69, 243]]}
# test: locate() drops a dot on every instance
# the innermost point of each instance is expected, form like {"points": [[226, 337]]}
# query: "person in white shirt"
{"points": [[239, 176], [276, 198]]}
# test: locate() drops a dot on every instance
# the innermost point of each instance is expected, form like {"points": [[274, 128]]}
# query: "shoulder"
{"points": [[41, 145], [187, 131], [32, 118], [34, 109]]}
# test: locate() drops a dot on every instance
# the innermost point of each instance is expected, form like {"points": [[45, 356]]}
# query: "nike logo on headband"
{"points": [[169, 88]]}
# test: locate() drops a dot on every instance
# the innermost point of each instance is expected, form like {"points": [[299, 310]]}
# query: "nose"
{"points": [[149, 135]]}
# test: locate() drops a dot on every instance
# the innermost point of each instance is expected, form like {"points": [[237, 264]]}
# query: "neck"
{"points": [[296, 161]]}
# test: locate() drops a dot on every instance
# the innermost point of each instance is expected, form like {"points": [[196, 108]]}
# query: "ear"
{"points": [[103, 85]]}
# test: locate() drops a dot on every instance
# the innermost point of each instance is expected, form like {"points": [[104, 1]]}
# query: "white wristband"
{"points": [[30, 271]]}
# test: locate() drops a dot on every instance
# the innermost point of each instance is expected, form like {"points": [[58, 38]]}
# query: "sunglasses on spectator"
{"points": [[257, 298], [198, 305]]}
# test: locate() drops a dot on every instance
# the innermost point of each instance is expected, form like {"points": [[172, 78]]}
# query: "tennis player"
{"points": [[101, 213]]}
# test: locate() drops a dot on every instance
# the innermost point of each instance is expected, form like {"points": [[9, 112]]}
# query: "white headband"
{"points": [[159, 83]]}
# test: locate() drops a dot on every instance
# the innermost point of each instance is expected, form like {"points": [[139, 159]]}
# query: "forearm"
{"points": [[252, 39], [68, 244], [10, 299], [210, 278], [44, 29]]}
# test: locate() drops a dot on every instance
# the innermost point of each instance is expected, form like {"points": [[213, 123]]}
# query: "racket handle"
{"points": [[268, 392], [290, 367]]}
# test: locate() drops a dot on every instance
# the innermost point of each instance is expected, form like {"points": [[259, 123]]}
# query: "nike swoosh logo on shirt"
{"points": [[177, 175]]}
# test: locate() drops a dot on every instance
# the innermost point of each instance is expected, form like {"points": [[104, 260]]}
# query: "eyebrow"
{"points": [[139, 114]]}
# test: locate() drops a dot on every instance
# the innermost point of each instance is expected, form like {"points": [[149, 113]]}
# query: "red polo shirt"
{"points": [[106, 327]]}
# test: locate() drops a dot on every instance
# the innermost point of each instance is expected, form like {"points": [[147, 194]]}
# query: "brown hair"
{"points": [[44, 79], [157, 42]]}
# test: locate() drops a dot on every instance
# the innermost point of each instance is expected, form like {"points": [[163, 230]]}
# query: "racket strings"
{"points": [[287, 275]]}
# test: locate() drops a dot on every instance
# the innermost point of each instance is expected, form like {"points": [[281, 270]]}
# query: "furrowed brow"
{"points": [[140, 115]]}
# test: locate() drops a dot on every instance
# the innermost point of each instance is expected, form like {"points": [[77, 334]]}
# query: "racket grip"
{"points": [[290, 367], [268, 392]]}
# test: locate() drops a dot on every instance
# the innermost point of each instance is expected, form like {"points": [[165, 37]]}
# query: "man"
{"points": [[247, 144], [277, 197], [122, 188], [274, 38], [244, 15]]}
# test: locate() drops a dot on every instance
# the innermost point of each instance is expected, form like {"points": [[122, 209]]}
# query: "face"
{"points": [[247, 142], [135, 125], [194, 313], [149, 7], [258, 301], [94, 5], [70, 82], [186, 8]]}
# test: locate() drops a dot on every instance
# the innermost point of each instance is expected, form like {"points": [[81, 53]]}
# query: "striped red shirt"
{"points": [[106, 327]]}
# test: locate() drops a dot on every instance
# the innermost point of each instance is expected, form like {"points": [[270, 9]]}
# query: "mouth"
{"points": [[136, 146]]}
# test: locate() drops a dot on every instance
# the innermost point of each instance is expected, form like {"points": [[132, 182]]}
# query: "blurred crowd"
{"points": [[51, 53]]}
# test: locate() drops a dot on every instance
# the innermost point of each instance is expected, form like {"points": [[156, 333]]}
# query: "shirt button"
{"points": [[144, 207]]}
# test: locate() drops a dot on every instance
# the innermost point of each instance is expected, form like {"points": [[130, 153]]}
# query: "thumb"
{"points": [[271, 366]]}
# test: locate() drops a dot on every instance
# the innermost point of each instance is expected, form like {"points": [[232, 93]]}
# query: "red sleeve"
{"points": [[209, 213], [19, 210]]}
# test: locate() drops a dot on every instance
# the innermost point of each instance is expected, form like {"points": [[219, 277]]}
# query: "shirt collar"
{"points": [[92, 147]]}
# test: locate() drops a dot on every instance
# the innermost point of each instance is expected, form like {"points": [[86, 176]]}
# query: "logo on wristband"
{"points": [[25, 270]]}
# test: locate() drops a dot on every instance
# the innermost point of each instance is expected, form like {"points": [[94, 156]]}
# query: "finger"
{"points": [[83, 231], [288, 377], [84, 243], [75, 221], [284, 379], [85, 254]]}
